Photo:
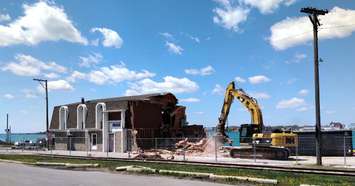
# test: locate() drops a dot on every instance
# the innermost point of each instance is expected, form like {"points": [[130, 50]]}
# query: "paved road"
{"points": [[23, 175]]}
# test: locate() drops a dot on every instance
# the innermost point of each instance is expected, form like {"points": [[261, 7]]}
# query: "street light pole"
{"points": [[47, 118], [313, 16]]}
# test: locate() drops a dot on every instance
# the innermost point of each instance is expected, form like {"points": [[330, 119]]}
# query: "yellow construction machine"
{"points": [[254, 141]]}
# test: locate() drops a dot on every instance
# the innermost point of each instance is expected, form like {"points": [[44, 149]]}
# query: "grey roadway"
{"points": [[23, 175]]}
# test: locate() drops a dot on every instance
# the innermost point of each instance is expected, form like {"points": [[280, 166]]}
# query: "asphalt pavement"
{"points": [[12, 174]]}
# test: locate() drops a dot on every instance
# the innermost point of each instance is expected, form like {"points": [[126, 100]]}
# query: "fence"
{"points": [[336, 152]]}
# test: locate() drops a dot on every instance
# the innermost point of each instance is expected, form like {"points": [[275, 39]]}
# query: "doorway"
{"points": [[93, 141], [111, 142]]}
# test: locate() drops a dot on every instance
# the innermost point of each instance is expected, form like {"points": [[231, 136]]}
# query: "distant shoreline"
{"points": [[25, 133]]}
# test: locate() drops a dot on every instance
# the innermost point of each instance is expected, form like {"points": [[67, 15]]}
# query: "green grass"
{"points": [[284, 178]]}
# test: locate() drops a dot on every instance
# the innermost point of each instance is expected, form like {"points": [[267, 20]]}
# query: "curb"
{"points": [[13, 161], [71, 165], [185, 173], [133, 168], [67, 165], [49, 164], [142, 169]]}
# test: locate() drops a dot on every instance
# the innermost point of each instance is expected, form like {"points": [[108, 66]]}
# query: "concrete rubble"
{"points": [[183, 147]]}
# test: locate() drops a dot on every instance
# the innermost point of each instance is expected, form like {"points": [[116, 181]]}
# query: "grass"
{"points": [[284, 178]]}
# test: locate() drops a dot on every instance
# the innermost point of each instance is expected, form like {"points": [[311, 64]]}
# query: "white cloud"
{"points": [[27, 65], [95, 42], [29, 93], [169, 84], [199, 113], [9, 96], [90, 60], [290, 103], [41, 22], [110, 74], [57, 85], [297, 58], [258, 79], [98, 77], [205, 71], [330, 112], [303, 92], [190, 100], [193, 38], [5, 17], [111, 37], [196, 39], [260, 95], [51, 75], [174, 48], [116, 74], [239, 79], [302, 109], [229, 15], [291, 81], [295, 31], [76, 75], [218, 90], [167, 35], [267, 6]]}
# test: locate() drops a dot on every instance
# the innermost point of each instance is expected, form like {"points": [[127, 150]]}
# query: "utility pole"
{"points": [[45, 86], [313, 16], [7, 130]]}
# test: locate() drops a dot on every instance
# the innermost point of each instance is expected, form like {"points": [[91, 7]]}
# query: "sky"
{"points": [[101, 49]]}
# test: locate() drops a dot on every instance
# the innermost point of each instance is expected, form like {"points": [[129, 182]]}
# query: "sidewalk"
{"points": [[222, 158]]}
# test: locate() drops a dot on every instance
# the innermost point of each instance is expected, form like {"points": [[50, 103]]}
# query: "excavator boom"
{"points": [[250, 104]]}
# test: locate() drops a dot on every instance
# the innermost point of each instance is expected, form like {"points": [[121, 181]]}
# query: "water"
{"points": [[17, 137], [232, 134]]}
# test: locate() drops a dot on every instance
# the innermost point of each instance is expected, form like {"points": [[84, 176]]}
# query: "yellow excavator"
{"points": [[254, 141]]}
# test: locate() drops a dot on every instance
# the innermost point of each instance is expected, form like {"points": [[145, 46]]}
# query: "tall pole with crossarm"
{"points": [[45, 86], [313, 16]]}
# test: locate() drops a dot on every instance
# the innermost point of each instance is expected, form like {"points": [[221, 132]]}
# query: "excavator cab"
{"points": [[246, 132]]}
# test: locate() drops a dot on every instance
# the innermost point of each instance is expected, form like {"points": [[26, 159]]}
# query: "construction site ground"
{"points": [[339, 162]]}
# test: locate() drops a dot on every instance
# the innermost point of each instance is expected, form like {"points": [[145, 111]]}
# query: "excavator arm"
{"points": [[250, 104]]}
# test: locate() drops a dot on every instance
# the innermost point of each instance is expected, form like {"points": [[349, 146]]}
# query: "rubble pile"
{"points": [[147, 155], [158, 154], [191, 147], [183, 147]]}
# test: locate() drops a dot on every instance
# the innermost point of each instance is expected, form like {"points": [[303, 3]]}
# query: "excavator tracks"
{"points": [[260, 152]]}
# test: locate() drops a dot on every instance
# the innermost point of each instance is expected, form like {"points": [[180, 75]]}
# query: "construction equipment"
{"points": [[254, 141]]}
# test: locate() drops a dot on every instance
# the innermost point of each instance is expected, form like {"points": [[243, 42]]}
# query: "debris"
{"points": [[148, 155], [191, 147], [182, 147]]}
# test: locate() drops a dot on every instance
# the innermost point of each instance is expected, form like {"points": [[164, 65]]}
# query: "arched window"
{"points": [[81, 116], [63, 117], [100, 109]]}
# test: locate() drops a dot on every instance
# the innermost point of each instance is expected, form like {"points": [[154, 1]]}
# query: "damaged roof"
{"points": [[142, 97]]}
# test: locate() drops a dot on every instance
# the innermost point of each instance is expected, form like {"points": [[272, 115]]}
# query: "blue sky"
{"points": [[191, 48]]}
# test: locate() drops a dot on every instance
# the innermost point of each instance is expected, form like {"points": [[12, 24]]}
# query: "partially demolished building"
{"points": [[115, 124]]}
